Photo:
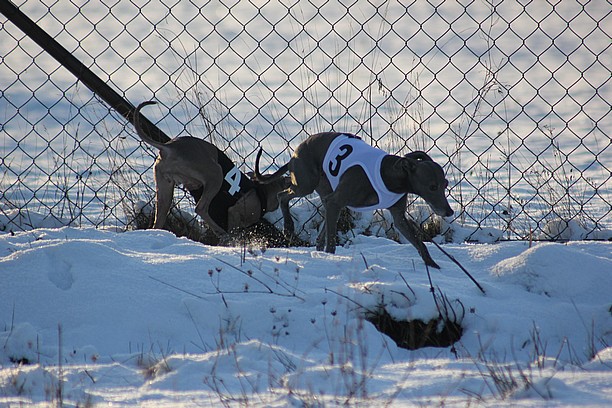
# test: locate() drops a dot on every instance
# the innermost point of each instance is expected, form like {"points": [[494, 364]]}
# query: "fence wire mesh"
{"points": [[512, 98]]}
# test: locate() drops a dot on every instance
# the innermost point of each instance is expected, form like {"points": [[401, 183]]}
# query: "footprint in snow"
{"points": [[60, 275]]}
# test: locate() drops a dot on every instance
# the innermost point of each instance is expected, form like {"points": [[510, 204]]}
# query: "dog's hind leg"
{"points": [[322, 234], [164, 193], [411, 231], [333, 202]]}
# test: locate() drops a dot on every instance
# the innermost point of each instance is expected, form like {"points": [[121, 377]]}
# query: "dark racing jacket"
{"points": [[235, 185]]}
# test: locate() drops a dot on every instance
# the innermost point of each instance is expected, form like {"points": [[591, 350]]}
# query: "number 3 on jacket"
{"points": [[334, 168]]}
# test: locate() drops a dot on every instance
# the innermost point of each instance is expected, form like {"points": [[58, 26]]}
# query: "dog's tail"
{"points": [[140, 130], [268, 178]]}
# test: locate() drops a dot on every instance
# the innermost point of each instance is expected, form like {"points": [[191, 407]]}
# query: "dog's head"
{"points": [[426, 179], [270, 189], [273, 188], [246, 211]]}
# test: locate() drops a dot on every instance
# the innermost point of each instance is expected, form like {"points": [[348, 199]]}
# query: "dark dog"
{"points": [[225, 197], [345, 171]]}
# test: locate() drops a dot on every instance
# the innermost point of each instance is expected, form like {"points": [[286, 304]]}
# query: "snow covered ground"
{"points": [[535, 143], [143, 318]]}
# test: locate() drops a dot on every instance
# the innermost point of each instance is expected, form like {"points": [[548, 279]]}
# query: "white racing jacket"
{"points": [[349, 150]]}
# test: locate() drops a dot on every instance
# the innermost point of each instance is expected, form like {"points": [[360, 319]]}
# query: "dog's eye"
{"points": [[433, 187]]}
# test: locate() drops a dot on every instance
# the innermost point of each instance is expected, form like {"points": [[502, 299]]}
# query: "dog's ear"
{"points": [[419, 156], [406, 164], [410, 161]]}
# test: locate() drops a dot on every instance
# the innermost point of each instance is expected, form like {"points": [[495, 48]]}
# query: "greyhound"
{"points": [[346, 172], [225, 198]]}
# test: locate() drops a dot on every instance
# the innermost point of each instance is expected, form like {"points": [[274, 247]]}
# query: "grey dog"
{"points": [[331, 164], [225, 197]]}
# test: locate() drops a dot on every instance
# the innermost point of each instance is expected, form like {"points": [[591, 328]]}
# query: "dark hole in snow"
{"points": [[415, 334]]}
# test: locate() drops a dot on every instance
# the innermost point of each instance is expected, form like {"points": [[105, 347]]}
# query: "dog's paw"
{"points": [[431, 263]]}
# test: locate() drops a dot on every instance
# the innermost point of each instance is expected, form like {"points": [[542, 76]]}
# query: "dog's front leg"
{"points": [[202, 211], [210, 187], [411, 231]]}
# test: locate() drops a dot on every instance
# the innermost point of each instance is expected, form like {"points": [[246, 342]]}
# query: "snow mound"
{"points": [[560, 270]]}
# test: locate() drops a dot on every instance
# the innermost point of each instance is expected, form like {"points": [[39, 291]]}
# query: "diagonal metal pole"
{"points": [[80, 71]]}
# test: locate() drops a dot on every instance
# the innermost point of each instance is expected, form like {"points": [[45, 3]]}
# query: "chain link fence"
{"points": [[512, 98]]}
